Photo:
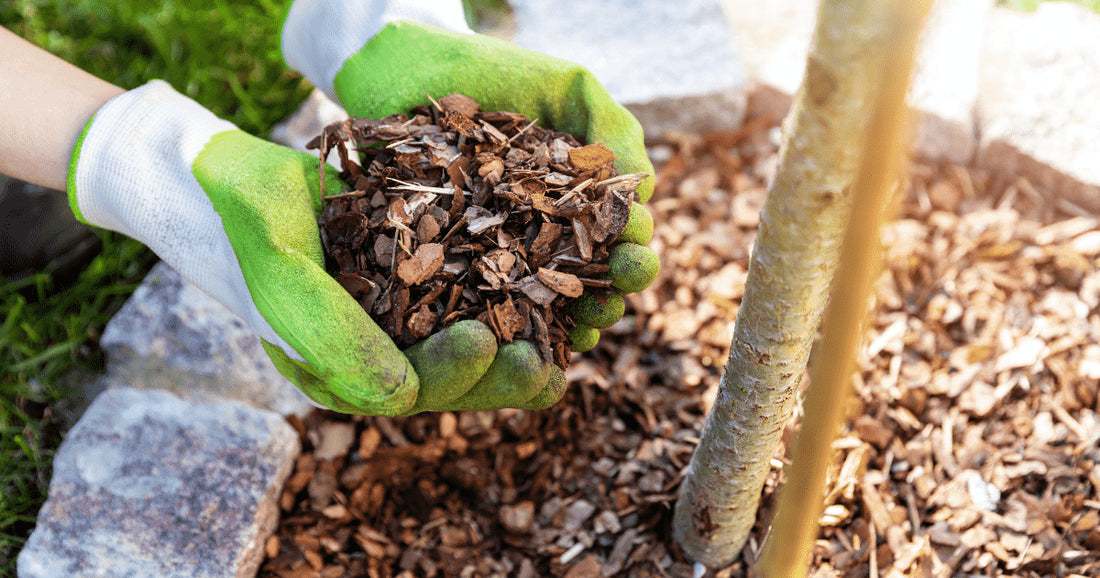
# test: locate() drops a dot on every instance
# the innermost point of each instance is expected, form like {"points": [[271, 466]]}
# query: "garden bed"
{"points": [[972, 449]]}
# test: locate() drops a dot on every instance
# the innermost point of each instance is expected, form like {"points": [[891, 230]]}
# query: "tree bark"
{"points": [[790, 274]]}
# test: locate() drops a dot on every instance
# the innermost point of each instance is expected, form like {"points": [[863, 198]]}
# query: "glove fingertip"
{"points": [[469, 339], [645, 189], [633, 267], [583, 337], [516, 375], [450, 363], [551, 394], [351, 401], [639, 226], [599, 310]]}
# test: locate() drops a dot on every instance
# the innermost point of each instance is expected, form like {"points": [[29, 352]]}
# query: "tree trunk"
{"points": [[789, 277]]}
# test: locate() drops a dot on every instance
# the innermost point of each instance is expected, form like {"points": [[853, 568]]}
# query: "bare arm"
{"points": [[44, 104]]}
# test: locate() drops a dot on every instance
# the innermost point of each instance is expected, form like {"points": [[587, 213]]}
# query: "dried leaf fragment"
{"points": [[536, 290], [480, 219], [459, 103], [422, 322]]}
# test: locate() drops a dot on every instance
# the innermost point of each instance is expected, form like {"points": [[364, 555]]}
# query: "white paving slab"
{"points": [[773, 39], [149, 484], [673, 64], [945, 88], [1038, 106]]}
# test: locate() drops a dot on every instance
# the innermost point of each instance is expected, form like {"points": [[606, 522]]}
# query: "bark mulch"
{"points": [[972, 450], [418, 255]]}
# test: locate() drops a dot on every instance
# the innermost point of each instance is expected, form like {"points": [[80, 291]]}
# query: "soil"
{"points": [[972, 447]]}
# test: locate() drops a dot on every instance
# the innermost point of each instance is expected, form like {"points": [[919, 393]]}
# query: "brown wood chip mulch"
{"points": [[973, 450], [458, 213]]}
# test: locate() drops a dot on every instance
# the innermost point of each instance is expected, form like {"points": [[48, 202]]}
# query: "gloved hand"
{"points": [[375, 60], [237, 217]]}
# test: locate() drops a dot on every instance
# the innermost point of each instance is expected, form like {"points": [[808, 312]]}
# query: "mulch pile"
{"points": [[973, 451], [418, 255]]}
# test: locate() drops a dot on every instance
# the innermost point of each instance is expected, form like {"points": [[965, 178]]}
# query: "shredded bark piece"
{"points": [[565, 283]]}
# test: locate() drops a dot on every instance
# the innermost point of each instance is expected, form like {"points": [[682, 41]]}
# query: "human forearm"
{"points": [[44, 104]]}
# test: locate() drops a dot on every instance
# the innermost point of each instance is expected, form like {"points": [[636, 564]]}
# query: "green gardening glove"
{"points": [[401, 63], [237, 217], [406, 61]]}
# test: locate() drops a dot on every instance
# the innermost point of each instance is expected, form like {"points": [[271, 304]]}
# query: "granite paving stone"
{"points": [[170, 335], [150, 484]]}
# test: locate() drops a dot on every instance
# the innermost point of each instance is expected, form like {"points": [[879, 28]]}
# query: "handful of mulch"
{"points": [[462, 214]]}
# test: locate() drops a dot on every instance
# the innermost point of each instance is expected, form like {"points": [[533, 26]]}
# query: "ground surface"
{"points": [[50, 332], [973, 449]]}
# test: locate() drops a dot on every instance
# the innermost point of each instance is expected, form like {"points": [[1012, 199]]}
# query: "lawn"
{"points": [[1031, 5]]}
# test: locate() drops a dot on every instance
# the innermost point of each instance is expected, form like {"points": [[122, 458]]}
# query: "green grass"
{"points": [[223, 54], [44, 335], [1032, 5]]}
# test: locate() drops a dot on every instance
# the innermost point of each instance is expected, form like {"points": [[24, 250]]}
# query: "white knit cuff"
{"points": [[320, 35], [133, 175]]}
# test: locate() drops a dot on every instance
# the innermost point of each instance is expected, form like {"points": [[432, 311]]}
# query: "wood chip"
{"points": [[591, 157], [423, 265], [565, 283]]}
